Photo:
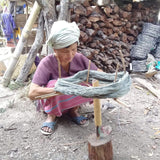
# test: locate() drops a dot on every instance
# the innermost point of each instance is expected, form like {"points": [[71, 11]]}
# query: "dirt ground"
{"points": [[134, 128]]}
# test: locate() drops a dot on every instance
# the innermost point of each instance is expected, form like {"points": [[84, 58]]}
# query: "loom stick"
{"points": [[89, 65], [123, 61], [44, 96], [117, 68]]}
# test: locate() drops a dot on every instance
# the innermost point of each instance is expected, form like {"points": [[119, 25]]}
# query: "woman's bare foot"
{"points": [[73, 112], [50, 118]]}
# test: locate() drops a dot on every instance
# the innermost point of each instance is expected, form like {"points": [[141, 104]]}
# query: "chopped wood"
{"points": [[105, 29], [95, 17], [79, 9]]}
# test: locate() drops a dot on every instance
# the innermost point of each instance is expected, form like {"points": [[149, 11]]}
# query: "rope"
{"points": [[107, 89], [59, 67]]}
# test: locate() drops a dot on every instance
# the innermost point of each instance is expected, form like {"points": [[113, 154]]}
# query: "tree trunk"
{"points": [[21, 43], [50, 16], [33, 51], [64, 13]]}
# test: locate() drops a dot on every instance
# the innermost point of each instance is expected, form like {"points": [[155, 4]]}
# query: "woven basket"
{"points": [[139, 66], [19, 66]]}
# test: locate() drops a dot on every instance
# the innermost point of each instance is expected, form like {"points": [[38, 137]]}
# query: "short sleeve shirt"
{"points": [[48, 68]]}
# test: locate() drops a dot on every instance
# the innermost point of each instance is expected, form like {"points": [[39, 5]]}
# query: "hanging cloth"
{"points": [[8, 25]]}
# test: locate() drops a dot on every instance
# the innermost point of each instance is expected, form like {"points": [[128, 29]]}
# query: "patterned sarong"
{"points": [[58, 105]]}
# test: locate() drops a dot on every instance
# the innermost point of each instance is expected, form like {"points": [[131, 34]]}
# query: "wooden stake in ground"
{"points": [[97, 111], [99, 145]]}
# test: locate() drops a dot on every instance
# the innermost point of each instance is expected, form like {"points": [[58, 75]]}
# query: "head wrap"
{"points": [[63, 34]]}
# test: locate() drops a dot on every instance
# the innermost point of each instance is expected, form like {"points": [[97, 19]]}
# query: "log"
{"points": [[108, 10], [89, 10], [49, 14], [79, 9], [64, 12], [148, 86], [100, 149], [94, 17]]}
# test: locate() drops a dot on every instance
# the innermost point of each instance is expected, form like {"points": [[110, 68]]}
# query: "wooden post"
{"points": [[101, 148], [99, 144], [97, 111]]}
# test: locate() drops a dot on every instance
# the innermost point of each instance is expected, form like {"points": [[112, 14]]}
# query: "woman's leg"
{"points": [[59, 104], [50, 118], [73, 112]]}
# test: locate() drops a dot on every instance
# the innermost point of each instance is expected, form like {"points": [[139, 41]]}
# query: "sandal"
{"points": [[50, 125], [78, 120]]}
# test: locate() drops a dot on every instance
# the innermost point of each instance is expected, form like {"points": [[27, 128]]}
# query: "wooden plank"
{"points": [[19, 2], [21, 20]]}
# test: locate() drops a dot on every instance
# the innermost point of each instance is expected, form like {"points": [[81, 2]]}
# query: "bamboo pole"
{"points": [[97, 111], [21, 43]]}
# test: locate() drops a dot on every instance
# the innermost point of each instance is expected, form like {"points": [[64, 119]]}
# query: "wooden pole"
{"points": [[99, 145], [21, 43], [97, 111]]}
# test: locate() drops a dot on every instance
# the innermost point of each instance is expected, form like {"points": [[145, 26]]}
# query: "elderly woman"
{"points": [[64, 62]]}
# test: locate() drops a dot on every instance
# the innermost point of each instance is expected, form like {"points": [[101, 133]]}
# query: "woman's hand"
{"points": [[36, 90], [99, 70]]}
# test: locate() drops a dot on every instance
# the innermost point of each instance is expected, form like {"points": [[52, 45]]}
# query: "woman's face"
{"points": [[65, 55]]}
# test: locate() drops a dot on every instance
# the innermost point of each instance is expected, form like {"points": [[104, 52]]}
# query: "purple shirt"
{"points": [[48, 68]]}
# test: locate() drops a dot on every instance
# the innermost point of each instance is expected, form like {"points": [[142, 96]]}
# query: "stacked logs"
{"points": [[105, 30]]}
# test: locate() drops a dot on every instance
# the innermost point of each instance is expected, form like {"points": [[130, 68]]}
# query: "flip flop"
{"points": [[50, 125], [78, 120]]}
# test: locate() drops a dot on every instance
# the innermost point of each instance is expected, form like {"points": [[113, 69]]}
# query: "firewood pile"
{"points": [[105, 30]]}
